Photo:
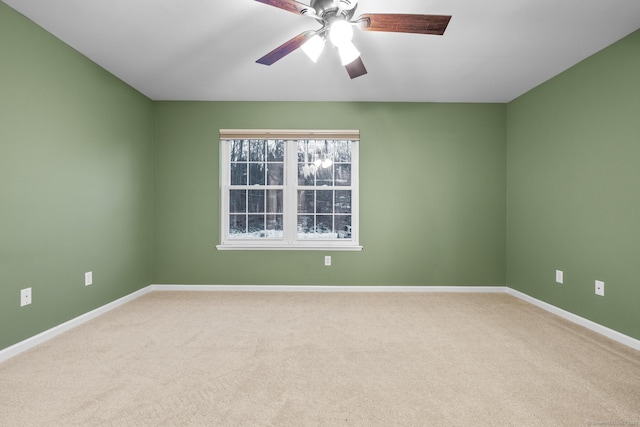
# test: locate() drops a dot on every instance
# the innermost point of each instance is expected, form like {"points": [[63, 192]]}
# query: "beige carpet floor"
{"points": [[323, 359]]}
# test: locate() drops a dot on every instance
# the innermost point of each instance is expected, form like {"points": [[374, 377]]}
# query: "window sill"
{"points": [[245, 247]]}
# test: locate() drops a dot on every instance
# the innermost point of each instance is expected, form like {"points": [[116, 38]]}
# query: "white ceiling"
{"points": [[492, 51]]}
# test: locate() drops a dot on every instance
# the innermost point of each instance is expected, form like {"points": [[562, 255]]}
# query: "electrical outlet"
{"points": [[559, 276], [599, 288], [25, 297], [88, 278], [327, 260]]}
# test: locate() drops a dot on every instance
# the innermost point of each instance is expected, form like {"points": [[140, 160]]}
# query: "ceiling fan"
{"points": [[337, 24]]}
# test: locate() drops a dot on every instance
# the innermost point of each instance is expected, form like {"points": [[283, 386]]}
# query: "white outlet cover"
{"points": [[599, 288], [559, 276], [88, 278], [327, 260], [25, 297]]}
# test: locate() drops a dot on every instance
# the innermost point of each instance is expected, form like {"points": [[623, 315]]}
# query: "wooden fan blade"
{"points": [[285, 48], [356, 68], [404, 23], [288, 5]]}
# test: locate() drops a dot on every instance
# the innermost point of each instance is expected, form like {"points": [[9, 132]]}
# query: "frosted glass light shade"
{"points": [[340, 33], [348, 53], [313, 47]]}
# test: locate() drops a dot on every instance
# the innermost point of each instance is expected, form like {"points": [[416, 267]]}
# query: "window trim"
{"points": [[290, 191]]}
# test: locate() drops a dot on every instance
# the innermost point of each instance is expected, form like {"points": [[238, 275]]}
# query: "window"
{"points": [[289, 189]]}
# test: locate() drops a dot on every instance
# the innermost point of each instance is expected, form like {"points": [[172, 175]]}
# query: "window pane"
{"points": [[324, 225], [275, 173], [327, 150], [256, 173], [343, 226], [274, 201], [343, 201], [237, 201], [307, 151], [305, 226], [343, 174], [238, 174], [342, 151], [237, 226], [324, 201], [275, 151], [306, 174], [305, 201], [302, 152], [256, 201], [256, 150], [274, 226], [239, 150], [256, 226], [324, 176]]}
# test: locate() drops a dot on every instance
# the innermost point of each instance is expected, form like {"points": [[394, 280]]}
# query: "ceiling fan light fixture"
{"points": [[348, 53], [340, 33], [313, 47], [337, 20]]}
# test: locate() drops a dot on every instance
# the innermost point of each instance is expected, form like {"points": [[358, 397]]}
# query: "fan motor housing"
{"points": [[328, 9]]}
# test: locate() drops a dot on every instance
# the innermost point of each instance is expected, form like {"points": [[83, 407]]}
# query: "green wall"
{"points": [[432, 190], [76, 181], [573, 198]]}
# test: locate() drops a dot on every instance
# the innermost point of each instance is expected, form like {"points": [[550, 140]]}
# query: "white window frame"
{"points": [[290, 240]]}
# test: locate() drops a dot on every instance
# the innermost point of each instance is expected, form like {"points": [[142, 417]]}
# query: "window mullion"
{"points": [[291, 182]]}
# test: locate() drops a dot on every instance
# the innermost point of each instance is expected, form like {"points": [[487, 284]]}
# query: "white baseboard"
{"points": [[596, 327], [285, 288], [35, 340], [29, 343]]}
